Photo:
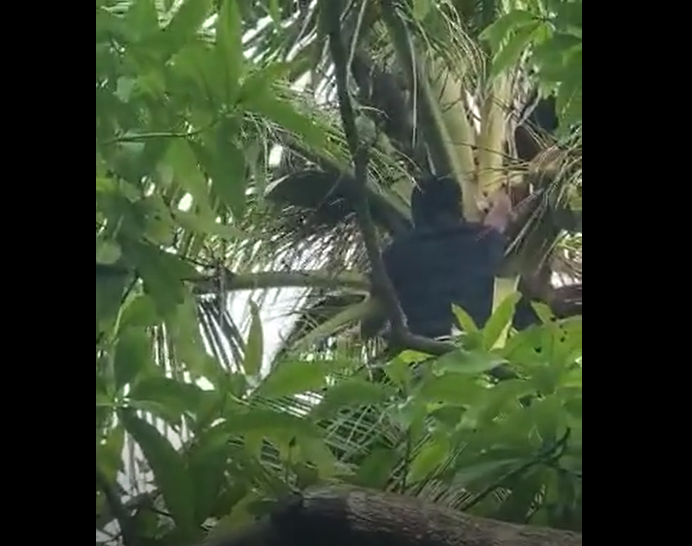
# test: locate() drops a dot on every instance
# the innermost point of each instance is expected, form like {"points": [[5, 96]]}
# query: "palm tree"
{"points": [[426, 102], [430, 103]]}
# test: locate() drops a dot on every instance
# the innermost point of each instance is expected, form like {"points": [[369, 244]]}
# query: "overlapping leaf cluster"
{"points": [[184, 439]]}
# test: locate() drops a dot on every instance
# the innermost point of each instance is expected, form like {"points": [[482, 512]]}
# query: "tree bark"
{"points": [[345, 516]]}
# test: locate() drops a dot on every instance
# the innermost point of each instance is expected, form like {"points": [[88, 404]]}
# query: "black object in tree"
{"points": [[445, 260]]}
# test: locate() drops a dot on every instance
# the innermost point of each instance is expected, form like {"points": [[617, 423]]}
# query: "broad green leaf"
{"points": [[292, 377], [399, 371], [314, 450], [208, 226], [450, 389], [283, 113], [139, 312], [499, 320], [544, 312], [569, 14], [133, 353], [188, 174], [196, 79], [353, 392], [230, 170], [183, 328], [512, 50], [168, 467], [260, 82], [161, 272], [185, 23], [142, 18], [467, 362], [376, 469], [207, 463], [505, 25], [159, 227], [465, 321], [254, 348], [430, 458], [177, 397], [229, 45], [259, 420]]}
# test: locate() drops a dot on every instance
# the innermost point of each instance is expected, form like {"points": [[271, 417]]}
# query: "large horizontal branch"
{"points": [[209, 283], [281, 279], [344, 516]]}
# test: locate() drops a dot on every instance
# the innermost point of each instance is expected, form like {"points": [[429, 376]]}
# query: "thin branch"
{"points": [[208, 283], [400, 335], [125, 521]]}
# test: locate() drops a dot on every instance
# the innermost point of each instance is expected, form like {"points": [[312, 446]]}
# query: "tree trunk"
{"points": [[345, 516]]}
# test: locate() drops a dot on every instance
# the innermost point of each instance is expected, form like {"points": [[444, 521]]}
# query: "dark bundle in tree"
{"points": [[343, 516], [445, 260]]}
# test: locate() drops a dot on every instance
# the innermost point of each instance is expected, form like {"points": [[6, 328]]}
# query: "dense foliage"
{"points": [[196, 423]]}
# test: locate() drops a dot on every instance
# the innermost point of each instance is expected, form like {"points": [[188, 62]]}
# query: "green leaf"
{"points": [[168, 467], [187, 172], [176, 397], [139, 312], [132, 354], [292, 377], [229, 45], [142, 18], [499, 320], [207, 226], [259, 82], [512, 50], [429, 458], [254, 348], [450, 389], [354, 392], [285, 114], [230, 170], [183, 328], [207, 462], [161, 272], [314, 450], [467, 362], [465, 321], [376, 469], [544, 312], [186, 22], [502, 27], [268, 422]]}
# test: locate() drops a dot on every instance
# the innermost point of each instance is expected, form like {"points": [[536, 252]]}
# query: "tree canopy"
{"points": [[259, 147]]}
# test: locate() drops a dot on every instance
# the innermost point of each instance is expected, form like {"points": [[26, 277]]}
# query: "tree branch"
{"points": [[343, 516], [208, 283], [400, 335]]}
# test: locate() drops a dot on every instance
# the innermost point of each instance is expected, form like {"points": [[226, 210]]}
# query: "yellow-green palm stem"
{"points": [[459, 134], [491, 143]]}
